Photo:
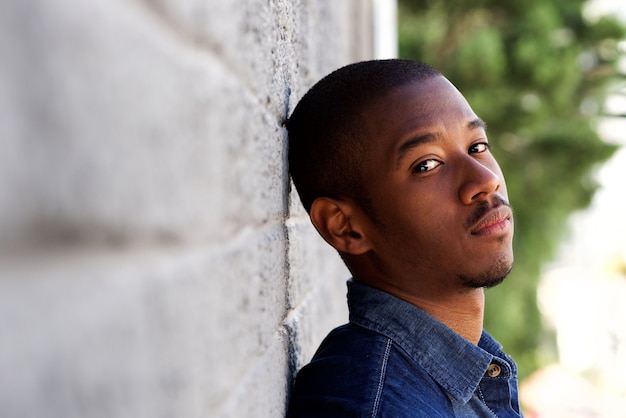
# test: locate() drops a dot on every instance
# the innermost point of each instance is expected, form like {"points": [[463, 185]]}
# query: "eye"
{"points": [[479, 148], [426, 166]]}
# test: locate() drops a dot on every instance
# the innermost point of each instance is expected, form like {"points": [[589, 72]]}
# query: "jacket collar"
{"points": [[453, 362]]}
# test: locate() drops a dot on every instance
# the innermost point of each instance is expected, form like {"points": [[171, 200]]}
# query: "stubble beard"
{"points": [[490, 278]]}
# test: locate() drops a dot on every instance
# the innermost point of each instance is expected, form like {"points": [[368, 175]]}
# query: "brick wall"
{"points": [[154, 261]]}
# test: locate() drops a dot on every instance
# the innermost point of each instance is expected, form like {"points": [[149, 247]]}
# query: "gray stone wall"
{"points": [[154, 261]]}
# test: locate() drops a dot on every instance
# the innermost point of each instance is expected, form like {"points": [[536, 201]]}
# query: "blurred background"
{"points": [[549, 77]]}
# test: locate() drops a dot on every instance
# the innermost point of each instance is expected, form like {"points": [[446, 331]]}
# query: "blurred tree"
{"points": [[537, 72]]}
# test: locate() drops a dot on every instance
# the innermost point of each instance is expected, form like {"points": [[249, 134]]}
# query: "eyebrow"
{"points": [[413, 142], [476, 124]]}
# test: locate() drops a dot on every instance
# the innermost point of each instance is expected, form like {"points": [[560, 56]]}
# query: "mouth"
{"points": [[495, 221]]}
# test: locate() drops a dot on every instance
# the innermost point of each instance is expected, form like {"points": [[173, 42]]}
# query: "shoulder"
{"points": [[357, 372]]}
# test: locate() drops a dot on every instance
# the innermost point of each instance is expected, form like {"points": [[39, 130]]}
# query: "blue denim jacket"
{"points": [[395, 360]]}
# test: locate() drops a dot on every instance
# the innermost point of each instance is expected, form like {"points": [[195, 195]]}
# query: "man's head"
{"points": [[395, 170], [328, 142]]}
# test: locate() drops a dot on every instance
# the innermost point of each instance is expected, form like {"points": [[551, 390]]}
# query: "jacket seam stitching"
{"points": [[482, 398], [381, 377]]}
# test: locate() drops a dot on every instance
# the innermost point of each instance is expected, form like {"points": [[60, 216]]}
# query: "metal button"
{"points": [[493, 370]]}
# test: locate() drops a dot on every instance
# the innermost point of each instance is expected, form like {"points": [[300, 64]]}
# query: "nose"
{"points": [[479, 180]]}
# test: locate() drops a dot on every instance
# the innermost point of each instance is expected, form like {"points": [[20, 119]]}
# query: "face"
{"points": [[438, 194]]}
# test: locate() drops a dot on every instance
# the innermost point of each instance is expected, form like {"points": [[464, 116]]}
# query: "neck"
{"points": [[462, 311], [459, 308]]}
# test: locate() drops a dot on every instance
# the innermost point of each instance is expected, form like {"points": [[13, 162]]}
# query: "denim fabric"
{"points": [[395, 360]]}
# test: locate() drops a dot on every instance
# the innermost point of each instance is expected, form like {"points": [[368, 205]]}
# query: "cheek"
{"points": [[419, 213], [424, 224]]}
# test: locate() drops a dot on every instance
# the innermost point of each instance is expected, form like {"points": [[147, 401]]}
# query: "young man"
{"points": [[395, 171]]}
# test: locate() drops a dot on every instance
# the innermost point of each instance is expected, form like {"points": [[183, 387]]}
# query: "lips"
{"points": [[494, 221]]}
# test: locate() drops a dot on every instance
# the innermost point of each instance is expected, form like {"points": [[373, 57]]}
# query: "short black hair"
{"points": [[327, 142]]}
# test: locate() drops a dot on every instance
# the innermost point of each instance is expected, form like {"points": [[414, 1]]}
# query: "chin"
{"points": [[490, 278]]}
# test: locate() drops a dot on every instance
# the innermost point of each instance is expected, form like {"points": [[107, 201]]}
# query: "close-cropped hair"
{"points": [[328, 144]]}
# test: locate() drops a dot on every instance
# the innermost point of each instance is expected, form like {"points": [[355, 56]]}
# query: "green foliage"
{"points": [[537, 72]]}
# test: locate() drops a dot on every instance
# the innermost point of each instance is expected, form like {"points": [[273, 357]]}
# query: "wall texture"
{"points": [[154, 261]]}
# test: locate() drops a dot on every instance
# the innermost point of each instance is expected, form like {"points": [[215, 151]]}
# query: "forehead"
{"points": [[428, 104]]}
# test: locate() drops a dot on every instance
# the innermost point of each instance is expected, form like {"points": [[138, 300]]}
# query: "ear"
{"points": [[339, 223]]}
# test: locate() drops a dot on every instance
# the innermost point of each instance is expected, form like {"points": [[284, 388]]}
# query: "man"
{"points": [[395, 171]]}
